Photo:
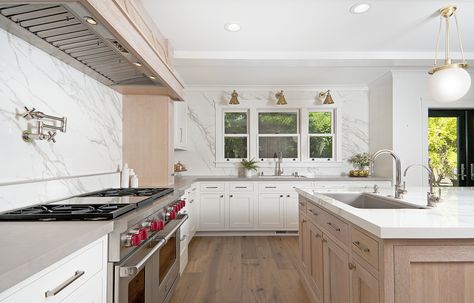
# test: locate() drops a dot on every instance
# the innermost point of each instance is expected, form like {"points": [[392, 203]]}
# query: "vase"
{"points": [[248, 173], [359, 173]]}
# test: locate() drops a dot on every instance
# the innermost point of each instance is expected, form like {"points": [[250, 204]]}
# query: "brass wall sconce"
{"points": [[326, 97], [179, 167], [281, 98], [233, 99]]}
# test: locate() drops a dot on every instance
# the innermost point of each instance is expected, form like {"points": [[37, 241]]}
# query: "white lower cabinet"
{"points": [[212, 211], [85, 270], [270, 211], [291, 211], [241, 211]]}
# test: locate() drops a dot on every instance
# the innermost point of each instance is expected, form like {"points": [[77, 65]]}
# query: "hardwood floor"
{"points": [[241, 269]]}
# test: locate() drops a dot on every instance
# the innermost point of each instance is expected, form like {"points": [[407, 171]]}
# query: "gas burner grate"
{"points": [[66, 212]]}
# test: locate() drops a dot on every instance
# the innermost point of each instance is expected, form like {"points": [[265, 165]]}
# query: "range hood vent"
{"points": [[62, 31]]}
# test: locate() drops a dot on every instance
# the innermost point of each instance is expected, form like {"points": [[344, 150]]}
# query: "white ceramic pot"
{"points": [[248, 173]]}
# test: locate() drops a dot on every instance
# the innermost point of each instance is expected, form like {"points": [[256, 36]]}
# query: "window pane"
{"points": [[320, 147], [268, 146], [235, 147], [320, 122], [278, 123], [235, 123]]}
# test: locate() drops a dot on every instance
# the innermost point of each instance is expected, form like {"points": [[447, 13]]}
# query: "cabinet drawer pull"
{"points": [[351, 266], [318, 236], [55, 291], [191, 201], [270, 187], [194, 189], [241, 187], [312, 211], [361, 247], [281, 196], [301, 204], [304, 221], [334, 226], [222, 196], [211, 187], [231, 196]]}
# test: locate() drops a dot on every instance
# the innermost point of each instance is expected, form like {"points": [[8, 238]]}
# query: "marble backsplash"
{"points": [[92, 144], [200, 156]]}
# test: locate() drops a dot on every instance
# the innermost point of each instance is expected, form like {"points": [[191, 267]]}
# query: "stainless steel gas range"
{"points": [[144, 246]]}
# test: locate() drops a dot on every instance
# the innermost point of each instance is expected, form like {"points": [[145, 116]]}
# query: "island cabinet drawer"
{"points": [[314, 213], [212, 187], [365, 247], [61, 279], [302, 204], [241, 187], [336, 227]]}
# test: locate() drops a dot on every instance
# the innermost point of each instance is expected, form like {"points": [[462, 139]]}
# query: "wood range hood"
{"points": [[112, 41]]}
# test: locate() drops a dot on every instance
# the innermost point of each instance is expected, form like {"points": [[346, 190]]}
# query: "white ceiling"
{"points": [[302, 41]]}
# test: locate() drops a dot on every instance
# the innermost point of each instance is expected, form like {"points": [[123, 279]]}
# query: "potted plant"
{"points": [[248, 166], [361, 163]]}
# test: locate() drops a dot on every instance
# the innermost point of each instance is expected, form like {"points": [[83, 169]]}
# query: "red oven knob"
{"points": [[183, 203], [157, 225], [176, 207], [143, 233], [135, 240], [172, 215]]}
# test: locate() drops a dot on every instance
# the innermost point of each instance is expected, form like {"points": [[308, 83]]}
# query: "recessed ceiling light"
{"points": [[90, 20], [136, 63], [232, 27], [360, 8], [152, 77]]}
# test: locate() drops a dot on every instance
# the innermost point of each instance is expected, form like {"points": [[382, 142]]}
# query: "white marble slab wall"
{"points": [[202, 104], [92, 144]]}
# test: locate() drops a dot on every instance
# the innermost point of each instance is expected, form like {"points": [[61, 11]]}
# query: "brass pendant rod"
{"points": [[447, 58], [437, 40], [459, 38]]}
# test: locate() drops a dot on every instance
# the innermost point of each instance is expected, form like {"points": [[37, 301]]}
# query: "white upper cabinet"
{"points": [[180, 126]]}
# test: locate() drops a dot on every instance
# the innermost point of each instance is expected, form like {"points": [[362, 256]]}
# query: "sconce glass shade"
{"points": [[449, 84]]}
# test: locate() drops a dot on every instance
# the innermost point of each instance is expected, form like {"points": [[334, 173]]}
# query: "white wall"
{"points": [[92, 144], [409, 102], [381, 122], [202, 104]]}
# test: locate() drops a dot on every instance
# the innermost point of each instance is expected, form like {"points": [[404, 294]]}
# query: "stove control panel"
{"points": [[141, 232]]}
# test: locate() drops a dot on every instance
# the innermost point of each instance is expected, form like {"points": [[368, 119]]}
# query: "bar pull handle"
{"points": [[361, 247], [62, 286], [472, 171], [334, 226], [270, 187], [463, 172]]}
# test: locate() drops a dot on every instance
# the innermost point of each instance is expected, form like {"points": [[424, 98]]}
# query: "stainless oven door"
{"points": [[133, 278], [167, 263]]}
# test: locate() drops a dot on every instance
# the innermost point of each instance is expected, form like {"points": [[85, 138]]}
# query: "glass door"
{"points": [[451, 146]]}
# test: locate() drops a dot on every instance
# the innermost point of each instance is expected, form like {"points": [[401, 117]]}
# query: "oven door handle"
{"points": [[170, 234], [128, 271]]}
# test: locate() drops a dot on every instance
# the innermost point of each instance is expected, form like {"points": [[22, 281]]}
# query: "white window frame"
{"points": [[303, 108], [297, 134], [220, 138]]}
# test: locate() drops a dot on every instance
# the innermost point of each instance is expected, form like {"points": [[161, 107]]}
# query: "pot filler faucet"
{"points": [[399, 189], [431, 198]]}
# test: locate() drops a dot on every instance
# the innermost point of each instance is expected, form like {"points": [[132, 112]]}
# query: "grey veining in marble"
{"points": [[93, 141], [202, 104]]}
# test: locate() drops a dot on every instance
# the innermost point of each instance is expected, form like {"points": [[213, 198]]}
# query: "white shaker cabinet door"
{"points": [[270, 211], [212, 211], [241, 211], [291, 211]]}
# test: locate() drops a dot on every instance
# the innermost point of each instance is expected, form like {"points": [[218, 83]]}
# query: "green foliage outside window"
{"points": [[278, 123], [320, 122], [443, 146]]}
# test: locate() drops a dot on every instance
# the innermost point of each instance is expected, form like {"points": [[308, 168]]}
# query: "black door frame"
{"points": [[465, 141]]}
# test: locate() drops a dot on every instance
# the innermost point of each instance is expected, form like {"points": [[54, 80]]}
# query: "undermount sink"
{"points": [[369, 201]]}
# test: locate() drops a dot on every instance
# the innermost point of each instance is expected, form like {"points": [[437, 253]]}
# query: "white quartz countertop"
{"points": [[29, 247], [453, 218]]}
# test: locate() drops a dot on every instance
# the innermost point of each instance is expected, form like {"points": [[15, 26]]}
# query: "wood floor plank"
{"points": [[241, 269]]}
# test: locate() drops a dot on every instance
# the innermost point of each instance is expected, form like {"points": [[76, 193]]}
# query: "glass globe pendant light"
{"points": [[449, 82]]}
